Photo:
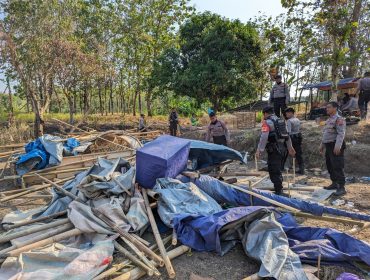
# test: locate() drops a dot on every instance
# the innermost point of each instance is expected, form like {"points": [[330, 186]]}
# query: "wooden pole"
{"points": [[256, 163], [162, 250], [318, 265], [41, 219], [28, 231], [294, 171], [259, 181], [128, 236], [250, 188], [45, 235], [174, 237], [28, 191], [132, 258], [44, 242], [59, 188], [287, 176], [122, 146], [122, 187], [119, 266], [141, 256], [137, 273]]}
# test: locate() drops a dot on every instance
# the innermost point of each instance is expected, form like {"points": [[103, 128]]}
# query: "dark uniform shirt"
{"points": [[334, 131]]}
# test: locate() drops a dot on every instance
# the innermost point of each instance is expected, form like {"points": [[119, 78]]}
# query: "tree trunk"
{"points": [[353, 41], [101, 109], [149, 101], [11, 109], [111, 94]]}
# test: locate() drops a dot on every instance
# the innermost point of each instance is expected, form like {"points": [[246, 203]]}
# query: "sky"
{"points": [[233, 9], [240, 9]]}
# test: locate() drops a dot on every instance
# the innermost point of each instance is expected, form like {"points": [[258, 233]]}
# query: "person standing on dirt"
{"points": [[276, 142], [142, 123], [218, 131], [294, 130], [334, 146], [363, 89], [279, 96], [173, 120]]}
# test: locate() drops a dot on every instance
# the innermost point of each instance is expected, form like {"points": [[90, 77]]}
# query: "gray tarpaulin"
{"points": [[59, 262], [176, 197], [265, 240], [54, 147]]}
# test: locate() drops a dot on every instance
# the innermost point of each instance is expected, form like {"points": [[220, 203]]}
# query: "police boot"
{"points": [[301, 170], [333, 186], [340, 191]]}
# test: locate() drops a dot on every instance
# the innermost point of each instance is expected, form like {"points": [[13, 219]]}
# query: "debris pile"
{"points": [[112, 208]]}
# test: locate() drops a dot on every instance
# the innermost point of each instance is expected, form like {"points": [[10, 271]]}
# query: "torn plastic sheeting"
{"points": [[165, 157], [45, 151], [222, 193], [333, 246], [204, 154], [221, 231], [70, 145], [176, 197], [59, 262]]}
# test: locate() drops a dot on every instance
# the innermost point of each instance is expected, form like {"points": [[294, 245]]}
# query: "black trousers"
{"points": [[335, 164], [363, 99], [220, 140], [275, 163], [173, 129], [279, 106], [297, 145]]}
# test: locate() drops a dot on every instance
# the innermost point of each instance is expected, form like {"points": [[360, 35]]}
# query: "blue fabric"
{"points": [[209, 154], [222, 193], [70, 144], [34, 151], [202, 234], [164, 157]]}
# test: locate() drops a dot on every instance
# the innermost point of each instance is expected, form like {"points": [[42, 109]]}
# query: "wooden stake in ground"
{"points": [[294, 171], [256, 163], [158, 239], [174, 237]]}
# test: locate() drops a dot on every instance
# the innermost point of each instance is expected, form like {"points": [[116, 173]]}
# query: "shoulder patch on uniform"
{"points": [[340, 121], [265, 127]]}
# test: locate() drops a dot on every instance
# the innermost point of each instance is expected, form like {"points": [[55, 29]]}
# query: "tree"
{"points": [[217, 61]]}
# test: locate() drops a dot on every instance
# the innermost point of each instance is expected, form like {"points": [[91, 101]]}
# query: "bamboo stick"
{"points": [[330, 219], [162, 250], [5, 166], [256, 163], [259, 181], [128, 236], [137, 273], [45, 235], [44, 242], [294, 171], [122, 146], [28, 191], [119, 184], [141, 256], [132, 258], [59, 188], [28, 231], [253, 277], [287, 176], [174, 237], [146, 243], [119, 266], [41, 219]]}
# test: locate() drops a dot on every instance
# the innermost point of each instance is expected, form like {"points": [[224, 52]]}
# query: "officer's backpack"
{"points": [[280, 129]]}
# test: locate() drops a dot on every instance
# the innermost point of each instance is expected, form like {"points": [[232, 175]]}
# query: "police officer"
{"points": [[279, 96], [334, 145], [294, 130], [275, 147], [173, 120], [218, 131], [363, 90]]}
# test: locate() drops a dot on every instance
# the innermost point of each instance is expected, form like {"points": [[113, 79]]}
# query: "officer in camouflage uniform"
{"points": [[276, 149], [279, 96], [334, 145]]}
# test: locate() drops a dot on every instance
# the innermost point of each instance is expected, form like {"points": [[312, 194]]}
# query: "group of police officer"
{"points": [[281, 140]]}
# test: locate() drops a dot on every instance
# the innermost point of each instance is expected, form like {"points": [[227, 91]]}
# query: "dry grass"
{"points": [[18, 133]]}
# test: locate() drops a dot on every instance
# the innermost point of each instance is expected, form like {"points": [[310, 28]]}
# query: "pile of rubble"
{"points": [[105, 210]]}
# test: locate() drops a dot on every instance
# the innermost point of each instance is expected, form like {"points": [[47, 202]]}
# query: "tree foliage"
{"points": [[217, 61]]}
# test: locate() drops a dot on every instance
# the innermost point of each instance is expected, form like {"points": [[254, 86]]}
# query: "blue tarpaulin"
{"points": [[164, 157], [204, 154], [46, 150], [202, 233], [223, 193], [69, 145]]}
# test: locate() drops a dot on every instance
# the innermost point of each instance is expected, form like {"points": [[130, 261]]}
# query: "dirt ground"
{"points": [[235, 265]]}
